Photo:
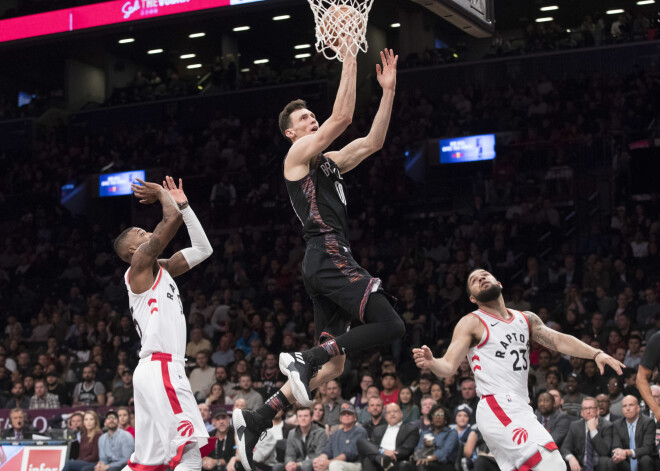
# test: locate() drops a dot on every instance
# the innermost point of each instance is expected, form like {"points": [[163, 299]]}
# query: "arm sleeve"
{"points": [[449, 444], [201, 247]]}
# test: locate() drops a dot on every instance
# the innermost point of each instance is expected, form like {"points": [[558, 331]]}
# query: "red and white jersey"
{"points": [[501, 360], [158, 316]]}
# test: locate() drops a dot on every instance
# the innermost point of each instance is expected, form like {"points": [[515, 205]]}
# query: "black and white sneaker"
{"points": [[249, 428], [300, 368]]}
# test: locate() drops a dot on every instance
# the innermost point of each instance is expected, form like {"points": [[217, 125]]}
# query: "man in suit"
{"points": [[554, 420], [637, 435], [392, 444], [589, 451], [19, 429]]}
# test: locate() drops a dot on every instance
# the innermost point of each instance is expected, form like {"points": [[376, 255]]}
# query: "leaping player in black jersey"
{"points": [[340, 289]]}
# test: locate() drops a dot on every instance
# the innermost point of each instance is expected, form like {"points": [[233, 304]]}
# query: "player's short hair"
{"points": [[285, 114], [120, 242]]}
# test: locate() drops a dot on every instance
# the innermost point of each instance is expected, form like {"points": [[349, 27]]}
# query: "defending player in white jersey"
{"points": [[496, 342], [169, 430]]}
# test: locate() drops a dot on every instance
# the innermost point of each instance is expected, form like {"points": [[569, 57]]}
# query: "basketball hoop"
{"points": [[341, 26]]}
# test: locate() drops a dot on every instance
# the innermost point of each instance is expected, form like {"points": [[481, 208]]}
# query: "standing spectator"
{"points": [[553, 420], [202, 377], [331, 409], [637, 436], [18, 398], [340, 452], [224, 446], [19, 428], [123, 395], [88, 392], [252, 397], [389, 394], [589, 441], [437, 448], [124, 417], [88, 456], [392, 444], [303, 444], [408, 408], [42, 399], [115, 446]]}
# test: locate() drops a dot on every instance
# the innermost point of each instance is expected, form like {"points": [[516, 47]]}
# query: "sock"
{"points": [[331, 348], [273, 405]]}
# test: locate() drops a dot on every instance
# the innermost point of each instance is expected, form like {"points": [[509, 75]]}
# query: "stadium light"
{"points": [[550, 8], [302, 46], [197, 35], [303, 56], [645, 2], [261, 61], [126, 40], [241, 28], [615, 12], [281, 17], [245, 70], [154, 51], [187, 56], [543, 20], [193, 66], [395, 25]]}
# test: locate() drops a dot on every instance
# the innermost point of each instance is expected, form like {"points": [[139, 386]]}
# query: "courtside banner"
{"points": [[101, 14], [32, 458]]}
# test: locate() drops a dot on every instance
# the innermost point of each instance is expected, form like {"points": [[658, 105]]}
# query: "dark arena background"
{"points": [[524, 141]]}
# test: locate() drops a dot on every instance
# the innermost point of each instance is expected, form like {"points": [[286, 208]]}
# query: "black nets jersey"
{"points": [[319, 199]]}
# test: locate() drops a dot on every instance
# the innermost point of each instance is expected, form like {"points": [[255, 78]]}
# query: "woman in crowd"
{"points": [[217, 396], [317, 414], [124, 417], [437, 448], [462, 416], [361, 400], [410, 410], [88, 456], [438, 392]]}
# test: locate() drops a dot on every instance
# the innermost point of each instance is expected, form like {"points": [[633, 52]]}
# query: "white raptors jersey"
{"points": [[158, 316], [501, 360]]}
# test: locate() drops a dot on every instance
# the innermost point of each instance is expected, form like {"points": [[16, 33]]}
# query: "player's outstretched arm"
{"points": [[201, 249], [568, 344], [142, 263], [350, 156], [463, 337], [643, 376], [307, 147]]}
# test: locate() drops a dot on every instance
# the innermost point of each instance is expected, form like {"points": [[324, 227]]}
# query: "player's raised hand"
{"points": [[423, 357], [177, 193], [603, 359], [146, 192], [386, 74]]}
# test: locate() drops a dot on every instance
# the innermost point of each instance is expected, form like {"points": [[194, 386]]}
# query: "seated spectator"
{"points": [[202, 377], [252, 397], [19, 428], [123, 395], [340, 452], [265, 454], [410, 411], [197, 343], [303, 444], [333, 400], [633, 355], [205, 411], [573, 397], [376, 418], [222, 378], [56, 386], [614, 390], [224, 446], [224, 355], [88, 392], [462, 417], [115, 446], [423, 424], [581, 450], [88, 456], [604, 403], [476, 454], [18, 398], [392, 444], [553, 419], [270, 378], [437, 448], [317, 414], [360, 400], [217, 396], [590, 380], [423, 388], [124, 417], [363, 414], [438, 393], [636, 434], [42, 399], [468, 396]]}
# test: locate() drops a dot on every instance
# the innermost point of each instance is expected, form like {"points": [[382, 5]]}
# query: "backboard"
{"points": [[475, 17]]}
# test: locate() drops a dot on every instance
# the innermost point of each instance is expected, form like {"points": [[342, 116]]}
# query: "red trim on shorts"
{"points": [[530, 463], [497, 410], [209, 447], [551, 446], [485, 327], [164, 359], [497, 317], [174, 462], [147, 467], [160, 273]]}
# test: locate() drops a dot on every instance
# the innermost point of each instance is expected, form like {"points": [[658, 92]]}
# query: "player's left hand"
{"points": [[146, 192], [177, 193], [423, 357], [386, 74], [603, 359]]}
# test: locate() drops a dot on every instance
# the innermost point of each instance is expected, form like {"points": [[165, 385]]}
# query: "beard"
{"points": [[490, 294]]}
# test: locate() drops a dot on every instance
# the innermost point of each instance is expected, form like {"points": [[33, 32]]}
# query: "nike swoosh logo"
{"points": [[493, 325]]}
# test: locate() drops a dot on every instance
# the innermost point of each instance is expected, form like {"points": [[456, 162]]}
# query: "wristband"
{"points": [[597, 353], [183, 205]]}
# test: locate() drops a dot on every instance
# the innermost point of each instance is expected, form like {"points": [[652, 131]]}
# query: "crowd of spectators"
{"points": [[69, 339]]}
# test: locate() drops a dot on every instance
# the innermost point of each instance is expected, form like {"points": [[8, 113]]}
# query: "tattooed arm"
{"points": [[568, 344]]}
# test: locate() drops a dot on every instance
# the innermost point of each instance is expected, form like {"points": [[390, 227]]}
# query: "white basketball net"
{"points": [[337, 19]]}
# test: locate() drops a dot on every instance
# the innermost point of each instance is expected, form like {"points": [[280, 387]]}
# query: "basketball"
{"points": [[338, 21]]}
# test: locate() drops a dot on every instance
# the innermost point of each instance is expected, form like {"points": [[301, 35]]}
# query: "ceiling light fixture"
{"points": [[154, 51], [197, 35], [187, 56], [261, 61], [550, 8], [395, 25], [245, 70], [645, 2], [302, 46], [193, 66], [281, 17], [303, 56], [241, 28], [126, 40], [615, 12], [543, 20]]}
